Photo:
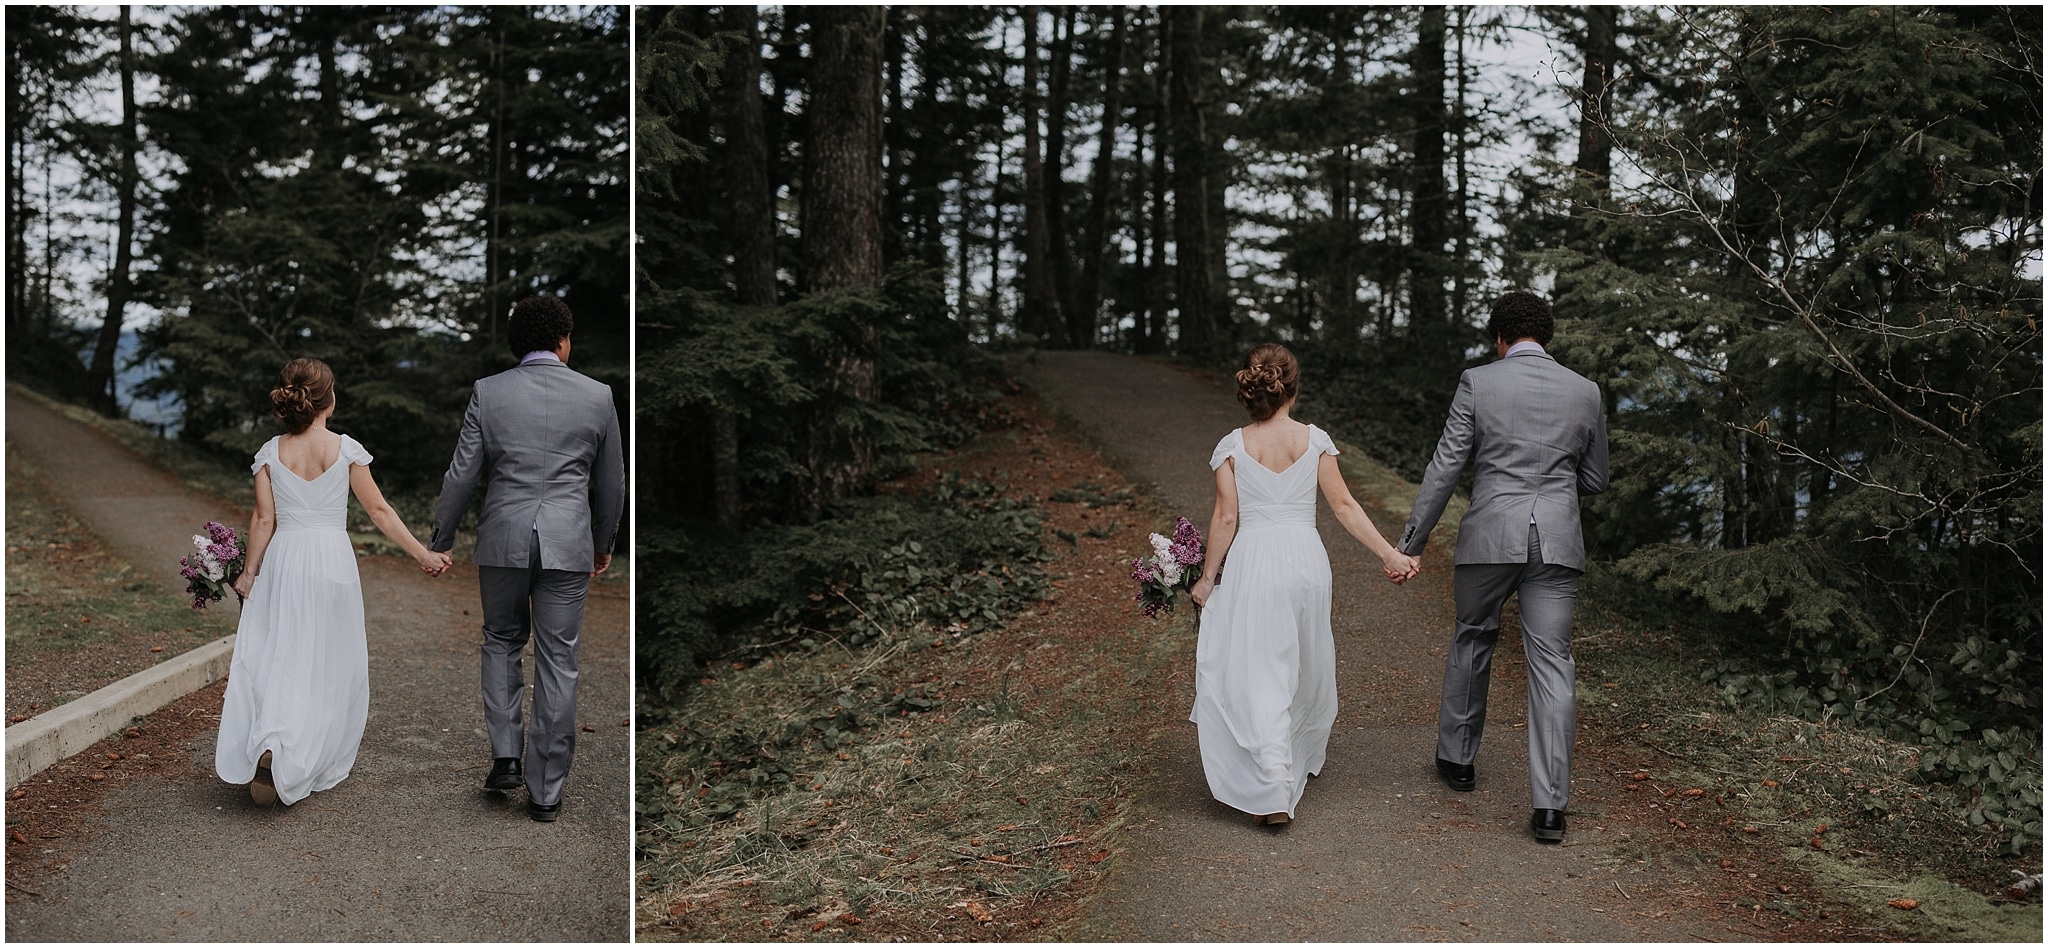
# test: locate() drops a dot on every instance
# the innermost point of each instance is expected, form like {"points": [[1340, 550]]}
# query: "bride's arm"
{"points": [[1222, 530], [262, 524], [389, 523], [1399, 566]]}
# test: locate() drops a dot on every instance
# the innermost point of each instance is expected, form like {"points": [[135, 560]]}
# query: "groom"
{"points": [[1537, 437], [547, 440]]}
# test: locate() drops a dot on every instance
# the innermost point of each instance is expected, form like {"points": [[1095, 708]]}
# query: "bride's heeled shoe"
{"points": [[263, 789], [1272, 819]]}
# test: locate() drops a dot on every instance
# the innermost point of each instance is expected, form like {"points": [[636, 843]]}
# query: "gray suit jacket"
{"points": [[1537, 437], [547, 438]]}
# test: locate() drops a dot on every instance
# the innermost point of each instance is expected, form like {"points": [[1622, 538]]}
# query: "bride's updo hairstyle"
{"points": [[1270, 378], [305, 389]]}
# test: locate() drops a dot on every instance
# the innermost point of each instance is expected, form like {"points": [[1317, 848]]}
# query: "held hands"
{"points": [[434, 564], [1400, 567]]}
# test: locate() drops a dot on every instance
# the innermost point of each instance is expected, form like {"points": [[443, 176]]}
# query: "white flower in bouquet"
{"points": [[1169, 570]]}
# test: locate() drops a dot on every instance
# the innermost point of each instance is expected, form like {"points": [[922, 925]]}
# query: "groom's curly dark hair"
{"points": [[538, 323], [1520, 314]]}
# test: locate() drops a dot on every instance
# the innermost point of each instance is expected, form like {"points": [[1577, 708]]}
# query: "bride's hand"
{"points": [[244, 583], [1400, 567], [1200, 591], [434, 564]]}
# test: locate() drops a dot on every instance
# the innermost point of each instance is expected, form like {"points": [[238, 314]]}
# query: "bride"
{"points": [[1265, 663], [299, 684]]}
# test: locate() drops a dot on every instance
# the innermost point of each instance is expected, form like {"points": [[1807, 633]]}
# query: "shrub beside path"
{"points": [[408, 848], [1380, 849]]}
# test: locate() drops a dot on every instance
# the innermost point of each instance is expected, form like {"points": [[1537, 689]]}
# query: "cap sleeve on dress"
{"points": [[1319, 441], [1230, 445], [264, 455], [353, 451]]}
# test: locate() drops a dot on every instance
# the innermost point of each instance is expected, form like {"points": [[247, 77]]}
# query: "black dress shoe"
{"points": [[544, 814], [1460, 777], [1548, 825], [506, 774]]}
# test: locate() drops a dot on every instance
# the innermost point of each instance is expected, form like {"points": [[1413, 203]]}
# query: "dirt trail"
{"points": [[408, 848], [1380, 849]]}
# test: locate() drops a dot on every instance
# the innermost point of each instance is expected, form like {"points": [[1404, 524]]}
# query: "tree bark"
{"points": [[896, 227], [17, 199], [1056, 181], [1596, 95], [1162, 135], [843, 224], [100, 379], [1086, 314], [1194, 290], [1461, 220], [1427, 219], [746, 142], [752, 228], [843, 232], [1039, 318], [1341, 323]]}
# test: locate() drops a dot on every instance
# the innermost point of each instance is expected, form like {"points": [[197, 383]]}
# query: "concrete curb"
{"points": [[36, 744]]}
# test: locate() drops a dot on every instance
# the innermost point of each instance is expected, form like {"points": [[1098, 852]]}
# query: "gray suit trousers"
{"points": [[545, 605], [1548, 594]]}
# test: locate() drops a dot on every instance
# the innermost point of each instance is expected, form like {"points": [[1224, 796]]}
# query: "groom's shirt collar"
{"points": [[540, 355], [1526, 345]]}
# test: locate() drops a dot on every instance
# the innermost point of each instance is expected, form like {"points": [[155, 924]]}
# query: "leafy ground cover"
{"points": [[936, 780], [1841, 820]]}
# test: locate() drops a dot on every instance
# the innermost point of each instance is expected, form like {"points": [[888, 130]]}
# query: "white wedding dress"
{"points": [[299, 684], [1265, 662]]}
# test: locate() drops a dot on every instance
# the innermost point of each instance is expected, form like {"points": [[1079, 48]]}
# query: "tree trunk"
{"points": [[100, 380], [1427, 219], [1039, 318], [1461, 218], [1341, 323], [1086, 313], [494, 197], [843, 233], [746, 142], [895, 229], [17, 200], [752, 223], [1162, 136], [1194, 290], [1595, 159], [1056, 181], [843, 224], [1215, 181]]}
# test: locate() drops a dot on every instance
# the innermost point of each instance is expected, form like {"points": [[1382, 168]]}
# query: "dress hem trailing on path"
{"points": [[1265, 660], [299, 682]]}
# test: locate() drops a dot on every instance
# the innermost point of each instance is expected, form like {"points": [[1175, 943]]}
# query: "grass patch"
{"points": [[78, 617], [1843, 804]]}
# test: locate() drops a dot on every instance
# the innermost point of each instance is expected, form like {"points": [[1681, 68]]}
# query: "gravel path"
{"points": [[408, 848], [1380, 849]]}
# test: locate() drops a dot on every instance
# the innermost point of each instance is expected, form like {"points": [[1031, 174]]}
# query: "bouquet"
{"points": [[213, 566], [1174, 566]]}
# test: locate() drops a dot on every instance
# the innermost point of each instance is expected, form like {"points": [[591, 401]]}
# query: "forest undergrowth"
{"points": [[933, 780]]}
